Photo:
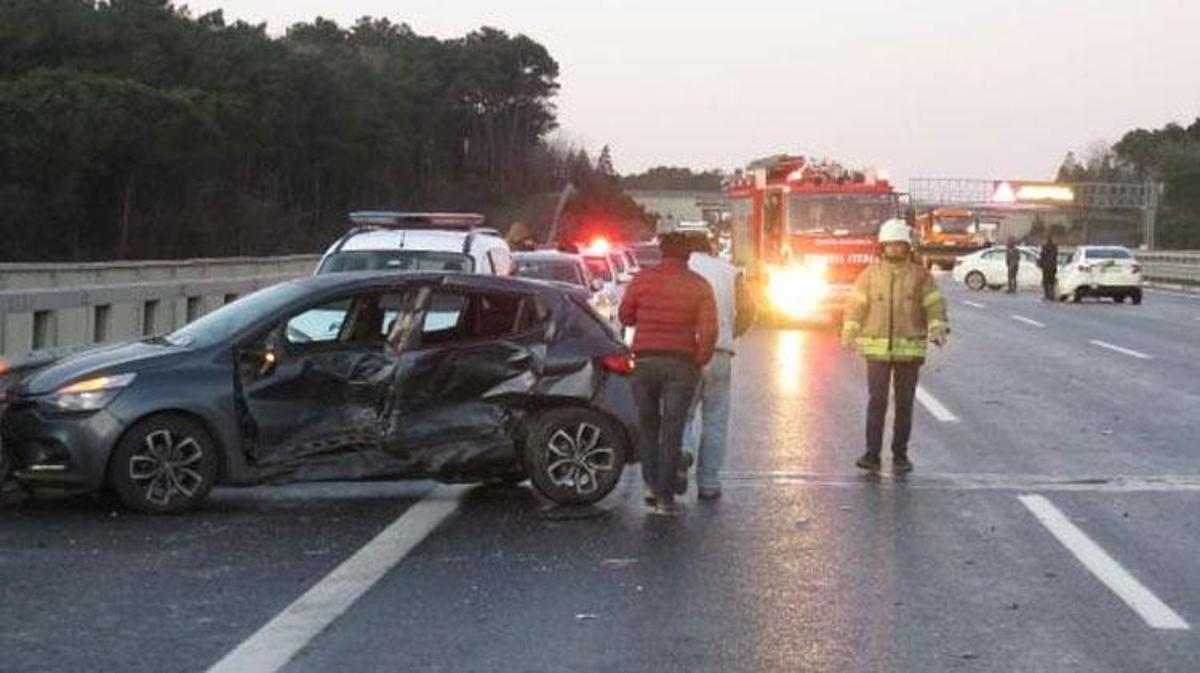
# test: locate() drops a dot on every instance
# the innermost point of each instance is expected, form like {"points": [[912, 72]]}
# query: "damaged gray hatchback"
{"points": [[453, 377]]}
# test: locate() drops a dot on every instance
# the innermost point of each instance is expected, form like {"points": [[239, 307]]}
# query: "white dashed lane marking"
{"points": [[1119, 349], [935, 407], [1029, 321], [1120, 581], [973, 304]]}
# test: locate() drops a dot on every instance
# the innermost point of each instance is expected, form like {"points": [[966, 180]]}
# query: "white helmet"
{"points": [[895, 231]]}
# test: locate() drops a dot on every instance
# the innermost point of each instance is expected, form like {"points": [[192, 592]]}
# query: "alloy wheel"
{"points": [[164, 467], [579, 457]]}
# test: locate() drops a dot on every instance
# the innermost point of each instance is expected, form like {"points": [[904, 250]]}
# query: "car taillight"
{"points": [[618, 363]]}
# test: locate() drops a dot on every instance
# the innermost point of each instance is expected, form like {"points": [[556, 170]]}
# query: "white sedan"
{"points": [[1101, 271], [989, 268]]}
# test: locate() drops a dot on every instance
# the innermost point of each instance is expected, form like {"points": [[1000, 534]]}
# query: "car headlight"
{"points": [[89, 394]]}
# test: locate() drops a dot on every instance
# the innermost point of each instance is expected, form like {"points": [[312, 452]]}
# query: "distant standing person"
{"points": [[895, 307], [1012, 256], [1048, 261], [675, 315], [710, 412]]}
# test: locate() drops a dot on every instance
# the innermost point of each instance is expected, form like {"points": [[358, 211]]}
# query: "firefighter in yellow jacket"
{"points": [[894, 309]]}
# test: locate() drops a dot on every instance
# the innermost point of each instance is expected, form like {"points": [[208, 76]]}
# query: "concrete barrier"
{"points": [[62, 307]]}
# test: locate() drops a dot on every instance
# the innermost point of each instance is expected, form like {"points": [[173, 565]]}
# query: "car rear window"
{"points": [[1108, 253], [550, 269], [647, 254], [600, 268], [397, 260]]}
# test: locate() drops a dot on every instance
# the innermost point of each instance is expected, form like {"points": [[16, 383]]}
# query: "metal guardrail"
{"points": [[62, 307], [1170, 266]]}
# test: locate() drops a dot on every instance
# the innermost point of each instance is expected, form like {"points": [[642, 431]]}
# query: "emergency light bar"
{"points": [[401, 220]]}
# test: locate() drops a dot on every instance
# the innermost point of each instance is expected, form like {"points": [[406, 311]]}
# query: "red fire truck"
{"points": [[803, 230]]}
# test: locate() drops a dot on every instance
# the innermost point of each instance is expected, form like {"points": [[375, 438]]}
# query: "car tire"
{"points": [[164, 464], [975, 281], [1078, 295], [1119, 298], [1136, 295], [574, 456]]}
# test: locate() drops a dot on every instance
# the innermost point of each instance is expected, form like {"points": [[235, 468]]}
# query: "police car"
{"points": [[385, 240]]}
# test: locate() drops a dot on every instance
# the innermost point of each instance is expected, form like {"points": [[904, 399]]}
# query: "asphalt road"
{"points": [[1050, 526]]}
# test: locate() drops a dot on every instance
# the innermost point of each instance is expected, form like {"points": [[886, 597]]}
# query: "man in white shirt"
{"points": [[710, 412]]}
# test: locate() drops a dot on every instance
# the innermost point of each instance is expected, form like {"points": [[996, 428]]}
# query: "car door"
{"points": [[471, 354], [314, 386], [1029, 274], [994, 267]]}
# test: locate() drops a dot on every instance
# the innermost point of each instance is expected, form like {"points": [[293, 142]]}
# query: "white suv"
{"points": [[1101, 271], [384, 240]]}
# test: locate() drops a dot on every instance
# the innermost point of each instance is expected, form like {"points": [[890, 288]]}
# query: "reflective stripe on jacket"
{"points": [[893, 310]]}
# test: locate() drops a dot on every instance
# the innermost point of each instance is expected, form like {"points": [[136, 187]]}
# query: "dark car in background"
{"points": [[459, 378]]}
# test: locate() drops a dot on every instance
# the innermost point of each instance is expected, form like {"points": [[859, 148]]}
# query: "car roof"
{"points": [[352, 280], [547, 255], [436, 240]]}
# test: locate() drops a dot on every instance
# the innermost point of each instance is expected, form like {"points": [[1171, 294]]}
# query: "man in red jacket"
{"points": [[676, 319]]}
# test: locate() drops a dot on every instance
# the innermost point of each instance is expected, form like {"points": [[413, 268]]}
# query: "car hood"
{"points": [[116, 359]]}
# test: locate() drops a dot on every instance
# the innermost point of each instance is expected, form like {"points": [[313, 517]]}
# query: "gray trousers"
{"points": [[663, 389]]}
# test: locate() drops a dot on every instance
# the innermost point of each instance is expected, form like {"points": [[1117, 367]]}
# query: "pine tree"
{"points": [[604, 164]]}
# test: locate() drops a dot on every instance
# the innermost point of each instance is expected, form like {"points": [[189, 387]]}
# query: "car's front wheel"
{"points": [[976, 281], [164, 464], [574, 456], [1137, 297]]}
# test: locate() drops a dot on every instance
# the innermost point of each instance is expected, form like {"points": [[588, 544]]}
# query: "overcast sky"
{"points": [[947, 88]]}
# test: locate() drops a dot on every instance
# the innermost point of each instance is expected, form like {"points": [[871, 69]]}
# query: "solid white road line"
{"points": [[1125, 351], [1155, 613], [272, 646], [935, 407], [973, 304], [1028, 321]]}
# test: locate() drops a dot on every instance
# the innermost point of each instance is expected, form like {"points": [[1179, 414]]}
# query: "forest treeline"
{"points": [[132, 129], [1171, 156]]}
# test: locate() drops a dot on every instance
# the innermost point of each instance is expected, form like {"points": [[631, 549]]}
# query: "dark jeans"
{"points": [[1012, 278], [663, 388], [1049, 280], [880, 377]]}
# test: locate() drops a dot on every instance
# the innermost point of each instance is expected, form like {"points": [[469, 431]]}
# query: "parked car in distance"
{"points": [[647, 253], [988, 268], [570, 271], [401, 241], [455, 377], [1100, 271]]}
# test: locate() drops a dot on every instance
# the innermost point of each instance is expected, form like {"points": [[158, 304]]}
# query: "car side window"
{"points": [[993, 255], [363, 319], [472, 316], [320, 324]]}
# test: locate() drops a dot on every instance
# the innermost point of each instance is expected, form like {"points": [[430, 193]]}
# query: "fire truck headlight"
{"points": [[797, 290]]}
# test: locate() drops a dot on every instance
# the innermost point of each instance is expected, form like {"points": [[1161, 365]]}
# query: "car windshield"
{"points": [[955, 225], [397, 260], [564, 271], [839, 213], [1108, 253], [618, 262], [226, 321], [600, 268]]}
